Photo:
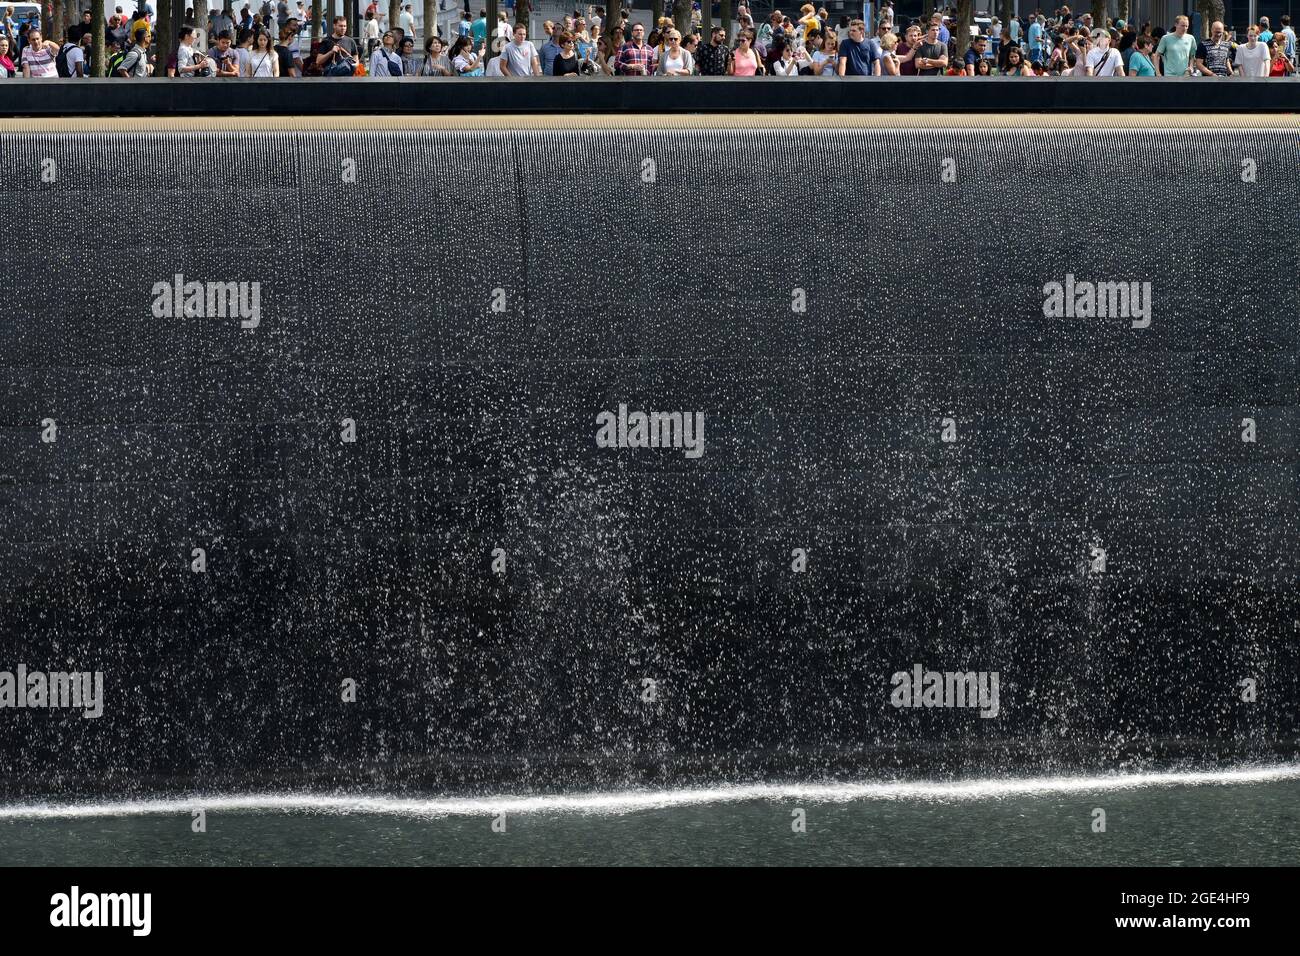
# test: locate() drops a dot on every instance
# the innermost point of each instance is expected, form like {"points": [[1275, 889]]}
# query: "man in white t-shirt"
{"points": [[1252, 56], [406, 20], [520, 55], [76, 57], [1102, 60]]}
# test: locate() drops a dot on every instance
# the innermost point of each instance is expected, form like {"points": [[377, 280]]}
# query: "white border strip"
{"points": [[634, 800]]}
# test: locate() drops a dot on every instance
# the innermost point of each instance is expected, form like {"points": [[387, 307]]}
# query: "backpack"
{"points": [[61, 61], [115, 61], [119, 63]]}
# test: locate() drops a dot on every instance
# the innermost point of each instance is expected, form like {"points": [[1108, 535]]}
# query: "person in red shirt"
{"points": [[1279, 65]]}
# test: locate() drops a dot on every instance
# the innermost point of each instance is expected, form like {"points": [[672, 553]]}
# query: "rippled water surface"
{"points": [[1245, 817]]}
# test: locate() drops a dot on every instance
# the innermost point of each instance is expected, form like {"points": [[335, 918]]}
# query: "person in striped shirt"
{"points": [[39, 55]]}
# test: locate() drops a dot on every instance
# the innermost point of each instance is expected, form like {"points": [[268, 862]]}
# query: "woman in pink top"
{"points": [[7, 68], [744, 61]]}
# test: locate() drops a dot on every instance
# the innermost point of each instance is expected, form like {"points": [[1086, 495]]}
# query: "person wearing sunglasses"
{"points": [[676, 61], [566, 61]]}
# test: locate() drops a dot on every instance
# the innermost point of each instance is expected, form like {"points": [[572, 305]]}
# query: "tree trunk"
{"points": [[1210, 10], [706, 20], [961, 30], [724, 13], [522, 9], [97, 52], [162, 38], [201, 16], [315, 27], [491, 20], [656, 11], [430, 22], [1007, 15], [682, 15], [1098, 14], [1121, 11], [394, 14]]}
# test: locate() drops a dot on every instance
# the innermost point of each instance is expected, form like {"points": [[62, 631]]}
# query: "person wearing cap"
{"points": [[1102, 59]]}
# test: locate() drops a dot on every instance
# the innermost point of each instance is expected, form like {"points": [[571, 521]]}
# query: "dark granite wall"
{"points": [[475, 430]]}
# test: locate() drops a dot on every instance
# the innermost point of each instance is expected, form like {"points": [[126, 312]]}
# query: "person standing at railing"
{"points": [[931, 55], [744, 60], [1280, 64], [676, 61], [520, 56], [636, 58], [857, 56], [582, 39], [436, 63], [824, 54], [337, 54], [465, 60], [550, 49], [385, 61], [1174, 54], [38, 56], [1252, 57], [1139, 61], [906, 51], [566, 62], [262, 59], [290, 63], [712, 56]]}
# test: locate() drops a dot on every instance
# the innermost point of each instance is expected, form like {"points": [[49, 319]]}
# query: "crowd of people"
{"points": [[271, 43]]}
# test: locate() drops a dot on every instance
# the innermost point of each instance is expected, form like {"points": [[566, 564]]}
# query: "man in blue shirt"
{"points": [[857, 56], [944, 34], [550, 49], [1036, 31]]}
